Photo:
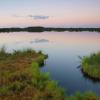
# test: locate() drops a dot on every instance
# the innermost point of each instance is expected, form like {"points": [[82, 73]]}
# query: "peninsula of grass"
{"points": [[91, 65], [21, 79]]}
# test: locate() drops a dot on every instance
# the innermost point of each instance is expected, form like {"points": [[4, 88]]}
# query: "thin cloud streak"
{"points": [[37, 17]]}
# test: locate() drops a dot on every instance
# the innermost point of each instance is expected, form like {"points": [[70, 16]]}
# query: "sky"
{"points": [[50, 13]]}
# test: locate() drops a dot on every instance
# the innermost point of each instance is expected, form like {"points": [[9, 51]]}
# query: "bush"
{"points": [[91, 65]]}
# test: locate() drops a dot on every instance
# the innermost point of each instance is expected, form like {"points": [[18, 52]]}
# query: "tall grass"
{"points": [[91, 65], [21, 78]]}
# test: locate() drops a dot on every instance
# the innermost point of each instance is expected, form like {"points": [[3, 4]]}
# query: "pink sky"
{"points": [[56, 13]]}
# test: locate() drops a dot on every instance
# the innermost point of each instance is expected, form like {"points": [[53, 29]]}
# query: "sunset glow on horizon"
{"points": [[50, 13]]}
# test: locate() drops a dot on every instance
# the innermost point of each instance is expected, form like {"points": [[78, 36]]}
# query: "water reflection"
{"points": [[39, 41]]}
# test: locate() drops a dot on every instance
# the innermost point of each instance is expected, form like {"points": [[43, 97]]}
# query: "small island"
{"points": [[91, 65]]}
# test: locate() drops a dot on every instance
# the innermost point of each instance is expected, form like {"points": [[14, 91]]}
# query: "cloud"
{"points": [[36, 17]]}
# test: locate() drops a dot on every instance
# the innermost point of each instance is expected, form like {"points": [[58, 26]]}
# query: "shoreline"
{"points": [[49, 29]]}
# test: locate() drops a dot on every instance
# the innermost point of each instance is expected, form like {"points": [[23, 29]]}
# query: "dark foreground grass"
{"points": [[91, 65], [21, 79]]}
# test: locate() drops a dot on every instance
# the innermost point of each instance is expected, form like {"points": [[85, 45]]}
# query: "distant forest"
{"points": [[43, 29]]}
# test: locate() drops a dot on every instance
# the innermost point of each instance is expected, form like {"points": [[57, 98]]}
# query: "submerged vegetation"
{"points": [[91, 65], [43, 29], [21, 79]]}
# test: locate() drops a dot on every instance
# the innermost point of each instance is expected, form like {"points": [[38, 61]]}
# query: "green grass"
{"points": [[91, 65], [21, 78], [84, 96]]}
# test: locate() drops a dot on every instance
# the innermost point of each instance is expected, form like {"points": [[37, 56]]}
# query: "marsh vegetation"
{"points": [[21, 79], [91, 65]]}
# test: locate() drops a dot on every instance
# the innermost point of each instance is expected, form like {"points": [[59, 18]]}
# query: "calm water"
{"points": [[63, 49]]}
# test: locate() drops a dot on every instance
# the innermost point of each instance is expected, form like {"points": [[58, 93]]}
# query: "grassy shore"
{"points": [[91, 65], [83, 96], [21, 79]]}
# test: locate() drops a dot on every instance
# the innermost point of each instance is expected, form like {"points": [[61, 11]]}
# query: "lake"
{"points": [[63, 49]]}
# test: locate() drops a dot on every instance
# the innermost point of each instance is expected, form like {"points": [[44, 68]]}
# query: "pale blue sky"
{"points": [[62, 13]]}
